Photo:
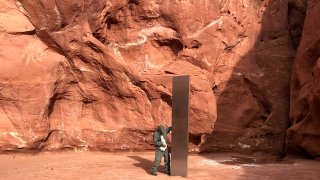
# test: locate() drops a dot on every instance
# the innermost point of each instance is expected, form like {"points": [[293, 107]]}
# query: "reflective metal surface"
{"points": [[180, 122]]}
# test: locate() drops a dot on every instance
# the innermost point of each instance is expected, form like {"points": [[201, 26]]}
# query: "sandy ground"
{"points": [[100, 165]]}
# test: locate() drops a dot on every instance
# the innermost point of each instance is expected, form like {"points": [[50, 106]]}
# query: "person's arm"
{"points": [[156, 140], [164, 143]]}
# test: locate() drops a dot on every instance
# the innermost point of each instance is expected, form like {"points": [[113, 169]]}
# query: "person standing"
{"points": [[160, 140]]}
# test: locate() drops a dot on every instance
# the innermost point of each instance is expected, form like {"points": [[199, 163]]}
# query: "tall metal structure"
{"points": [[180, 123]]}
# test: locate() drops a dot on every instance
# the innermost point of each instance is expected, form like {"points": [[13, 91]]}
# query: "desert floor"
{"points": [[136, 165]]}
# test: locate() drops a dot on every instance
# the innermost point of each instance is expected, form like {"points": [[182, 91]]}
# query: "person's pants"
{"points": [[157, 161]]}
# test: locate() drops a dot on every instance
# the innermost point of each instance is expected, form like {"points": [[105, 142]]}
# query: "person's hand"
{"points": [[164, 144]]}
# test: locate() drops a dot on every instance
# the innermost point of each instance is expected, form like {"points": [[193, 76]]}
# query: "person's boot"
{"points": [[153, 173]]}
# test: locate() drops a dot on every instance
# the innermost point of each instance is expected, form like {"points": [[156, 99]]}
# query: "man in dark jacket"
{"points": [[160, 140]]}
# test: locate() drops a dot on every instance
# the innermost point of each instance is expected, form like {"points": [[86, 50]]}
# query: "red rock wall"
{"points": [[304, 134], [97, 74]]}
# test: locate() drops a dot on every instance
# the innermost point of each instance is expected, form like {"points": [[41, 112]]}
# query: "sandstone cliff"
{"points": [[304, 135], [97, 74]]}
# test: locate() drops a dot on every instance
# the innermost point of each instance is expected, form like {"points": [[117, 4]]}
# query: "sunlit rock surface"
{"points": [[97, 74]]}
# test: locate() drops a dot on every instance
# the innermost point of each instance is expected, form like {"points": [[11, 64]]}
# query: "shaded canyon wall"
{"points": [[304, 134]]}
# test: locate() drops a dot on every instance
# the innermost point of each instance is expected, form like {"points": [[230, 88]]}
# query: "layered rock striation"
{"points": [[97, 74]]}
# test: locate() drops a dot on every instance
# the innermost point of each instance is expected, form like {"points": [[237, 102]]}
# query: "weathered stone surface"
{"points": [[97, 74], [97, 89], [28, 73], [252, 76], [304, 135]]}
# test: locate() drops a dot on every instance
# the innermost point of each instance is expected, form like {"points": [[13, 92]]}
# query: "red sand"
{"points": [[100, 165]]}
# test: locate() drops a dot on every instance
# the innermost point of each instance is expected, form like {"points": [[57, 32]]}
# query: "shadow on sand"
{"points": [[145, 164]]}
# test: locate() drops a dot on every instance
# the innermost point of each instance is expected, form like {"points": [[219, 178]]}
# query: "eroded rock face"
{"points": [[252, 76], [305, 100], [103, 82], [97, 74]]}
